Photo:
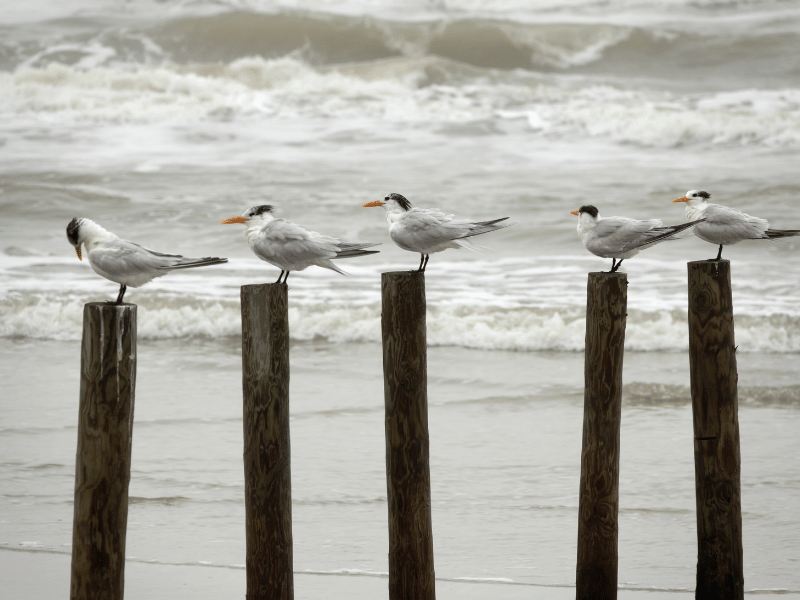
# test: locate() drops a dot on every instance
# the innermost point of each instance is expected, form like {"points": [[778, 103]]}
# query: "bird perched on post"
{"points": [[725, 226], [429, 230], [291, 247], [124, 262], [619, 238]]}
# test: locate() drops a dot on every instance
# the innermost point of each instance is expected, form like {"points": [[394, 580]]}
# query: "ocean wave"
{"points": [[472, 38], [402, 91], [34, 316], [323, 39]]}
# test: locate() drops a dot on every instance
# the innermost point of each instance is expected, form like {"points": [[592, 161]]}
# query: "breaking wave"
{"points": [[36, 316], [627, 82], [405, 90]]}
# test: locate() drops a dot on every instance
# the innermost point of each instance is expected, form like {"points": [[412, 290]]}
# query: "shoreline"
{"points": [[201, 582], [21, 576]]}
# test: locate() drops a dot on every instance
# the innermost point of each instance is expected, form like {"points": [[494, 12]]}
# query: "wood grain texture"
{"points": [[103, 458], [606, 311], [714, 380], [267, 464], [411, 572]]}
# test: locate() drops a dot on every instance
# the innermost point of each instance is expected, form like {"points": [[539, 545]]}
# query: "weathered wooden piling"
{"points": [[103, 458], [267, 465], [408, 479], [715, 409], [606, 312]]}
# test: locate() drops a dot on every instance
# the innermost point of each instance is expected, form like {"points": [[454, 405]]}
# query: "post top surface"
{"points": [[110, 305], [266, 286], [623, 275], [396, 274], [711, 261]]}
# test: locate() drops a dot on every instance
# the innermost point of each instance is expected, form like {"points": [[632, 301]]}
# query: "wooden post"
{"points": [[714, 378], [408, 479], [103, 458], [606, 311], [267, 465]]}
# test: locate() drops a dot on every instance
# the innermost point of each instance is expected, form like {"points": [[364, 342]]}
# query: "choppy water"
{"points": [[159, 119]]}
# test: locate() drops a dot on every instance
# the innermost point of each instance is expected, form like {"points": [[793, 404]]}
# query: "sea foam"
{"points": [[397, 90], [482, 327]]}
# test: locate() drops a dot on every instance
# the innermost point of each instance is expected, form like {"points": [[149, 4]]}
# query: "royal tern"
{"points": [[619, 238], [124, 262], [291, 247], [429, 230], [726, 226]]}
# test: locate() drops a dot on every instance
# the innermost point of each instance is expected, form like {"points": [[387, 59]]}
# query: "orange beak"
{"points": [[681, 199], [234, 220], [373, 203], [78, 252], [574, 212]]}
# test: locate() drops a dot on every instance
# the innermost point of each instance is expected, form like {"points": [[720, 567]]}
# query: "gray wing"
{"points": [[619, 233], [730, 226], [427, 228], [287, 242], [170, 262], [660, 234]]}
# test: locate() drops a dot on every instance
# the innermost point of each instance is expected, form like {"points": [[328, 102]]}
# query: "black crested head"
{"points": [[400, 199], [589, 209], [704, 195], [260, 210], [72, 231]]}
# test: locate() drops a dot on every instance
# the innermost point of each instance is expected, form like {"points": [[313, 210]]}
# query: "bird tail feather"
{"points": [[775, 234], [469, 245], [353, 250], [327, 263], [190, 263], [485, 227]]}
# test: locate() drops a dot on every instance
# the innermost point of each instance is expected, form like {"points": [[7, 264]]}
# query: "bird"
{"points": [[124, 262], [429, 230], [619, 238], [724, 225], [291, 247]]}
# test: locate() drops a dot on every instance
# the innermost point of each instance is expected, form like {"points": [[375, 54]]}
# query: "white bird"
{"points": [[725, 226], [621, 237], [291, 247], [429, 230], [124, 262]]}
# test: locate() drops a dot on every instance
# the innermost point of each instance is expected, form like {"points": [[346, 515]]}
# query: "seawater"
{"points": [[158, 120]]}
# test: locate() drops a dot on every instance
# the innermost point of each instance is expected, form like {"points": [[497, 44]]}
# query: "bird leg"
{"points": [[614, 266], [421, 260], [285, 277], [122, 289], [427, 256], [279, 277], [719, 254]]}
